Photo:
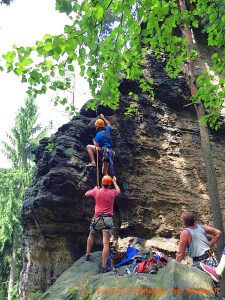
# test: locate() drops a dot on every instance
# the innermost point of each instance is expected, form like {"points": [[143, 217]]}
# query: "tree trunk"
{"points": [[205, 143], [211, 175], [12, 265]]}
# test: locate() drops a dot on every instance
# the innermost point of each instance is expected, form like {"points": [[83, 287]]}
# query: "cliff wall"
{"points": [[159, 167]]}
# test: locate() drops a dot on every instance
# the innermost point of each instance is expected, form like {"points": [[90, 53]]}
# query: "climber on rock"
{"points": [[103, 216], [103, 144], [194, 238]]}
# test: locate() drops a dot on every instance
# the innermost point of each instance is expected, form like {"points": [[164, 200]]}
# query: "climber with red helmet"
{"points": [[103, 143], [103, 216]]}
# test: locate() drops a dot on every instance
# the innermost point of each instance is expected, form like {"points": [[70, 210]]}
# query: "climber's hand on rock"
{"points": [[114, 179]]}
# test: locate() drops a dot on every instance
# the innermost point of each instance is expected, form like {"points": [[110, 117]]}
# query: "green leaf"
{"points": [[193, 53], [215, 56], [47, 37], [71, 68], [82, 52], [48, 46], [63, 101], [35, 75], [9, 56], [61, 72], [64, 6], [49, 63], [26, 62], [195, 23], [82, 70], [19, 71], [99, 12]]}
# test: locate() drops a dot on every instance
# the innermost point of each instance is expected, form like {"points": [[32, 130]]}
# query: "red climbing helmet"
{"points": [[99, 123], [106, 180]]}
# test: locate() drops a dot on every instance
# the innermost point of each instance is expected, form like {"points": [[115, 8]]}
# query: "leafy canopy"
{"points": [[108, 39]]}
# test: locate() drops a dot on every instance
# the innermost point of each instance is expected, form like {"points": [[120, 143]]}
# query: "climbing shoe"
{"points": [[91, 164], [211, 271], [87, 257]]}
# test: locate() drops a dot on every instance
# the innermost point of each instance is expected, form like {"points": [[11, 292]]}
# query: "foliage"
{"points": [[105, 55], [4, 268], [132, 109], [13, 184], [35, 295], [49, 148], [72, 293], [24, 136]]}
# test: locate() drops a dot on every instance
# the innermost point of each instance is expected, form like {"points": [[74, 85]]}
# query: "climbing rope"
{"points": [[98, 185]]}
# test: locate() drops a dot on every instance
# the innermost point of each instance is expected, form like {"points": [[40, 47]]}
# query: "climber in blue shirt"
{"points": [[103, 138], [103, 144]]}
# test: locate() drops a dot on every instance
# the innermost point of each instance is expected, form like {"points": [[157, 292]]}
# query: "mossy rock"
{"points": [[175, 282]]}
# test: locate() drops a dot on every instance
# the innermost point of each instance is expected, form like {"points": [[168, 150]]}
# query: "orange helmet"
{"points": [[106, 180], [99, 123]]}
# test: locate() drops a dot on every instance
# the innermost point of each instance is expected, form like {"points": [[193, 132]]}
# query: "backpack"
{"points": [[149, 265], [152, 264], [129, 256]]}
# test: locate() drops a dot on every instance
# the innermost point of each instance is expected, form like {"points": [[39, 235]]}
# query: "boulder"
{"points": [[175, 281]]}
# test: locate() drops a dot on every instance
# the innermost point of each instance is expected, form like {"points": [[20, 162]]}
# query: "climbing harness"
{"points": [[95, 221], [107, 156]]}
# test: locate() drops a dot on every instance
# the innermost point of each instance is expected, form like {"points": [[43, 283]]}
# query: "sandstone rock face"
{"points": [[175, 282], [159, 168]]}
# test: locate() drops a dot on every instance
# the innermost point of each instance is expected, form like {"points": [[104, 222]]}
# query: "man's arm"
{"points": [[90, 193], [182, 245], [115, 184], [215, 233], [105, 120], [95, 144]]}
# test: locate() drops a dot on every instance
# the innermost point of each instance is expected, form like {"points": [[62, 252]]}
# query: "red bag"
{"points": [[144, 266]]}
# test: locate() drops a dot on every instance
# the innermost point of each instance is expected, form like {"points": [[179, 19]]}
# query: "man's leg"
{"points": [[215, 272], [221, 266], [105, 252], [107, 162], [91, 150], [105, 168], [90, 241]]}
